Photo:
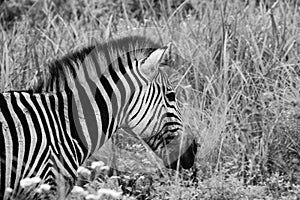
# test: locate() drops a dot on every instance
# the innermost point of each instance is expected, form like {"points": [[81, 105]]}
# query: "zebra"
{"points": [[81, 100]]}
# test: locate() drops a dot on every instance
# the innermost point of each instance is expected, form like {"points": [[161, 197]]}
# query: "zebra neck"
{"points": [[95, 112]]}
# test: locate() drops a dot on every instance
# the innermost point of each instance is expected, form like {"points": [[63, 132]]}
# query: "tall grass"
{"points": [[236, 73]]}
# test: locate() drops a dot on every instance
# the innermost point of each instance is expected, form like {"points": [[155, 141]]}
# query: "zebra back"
{"points": [[53, 76]]}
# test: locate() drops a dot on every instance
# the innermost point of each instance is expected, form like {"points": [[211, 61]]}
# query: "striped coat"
{"points": [[82, 99]]}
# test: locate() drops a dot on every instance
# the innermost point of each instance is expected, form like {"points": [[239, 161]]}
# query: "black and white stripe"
{"points": [[81, 101], [34, 139]]}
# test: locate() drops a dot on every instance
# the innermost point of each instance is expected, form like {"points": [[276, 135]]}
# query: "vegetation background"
{"points": [[237, 76]]}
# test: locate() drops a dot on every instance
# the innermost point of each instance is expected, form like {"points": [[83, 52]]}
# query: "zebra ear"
{"points": [[150, 66]]}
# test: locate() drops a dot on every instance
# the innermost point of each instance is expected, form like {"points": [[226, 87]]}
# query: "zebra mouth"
{"points": [[171, 144], [178, 148], [167, 134], [185, 159]]}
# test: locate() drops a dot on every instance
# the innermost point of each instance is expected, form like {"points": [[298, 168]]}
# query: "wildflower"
{"points": [[8, 190], [97, 164], [104, 168], [91, 197], [44, 188], [26, 182], [126, 177], [83, 171], [77, 189], [109, 192]]}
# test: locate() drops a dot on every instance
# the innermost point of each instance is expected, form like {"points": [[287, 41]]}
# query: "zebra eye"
{"points": [[171, 96]]}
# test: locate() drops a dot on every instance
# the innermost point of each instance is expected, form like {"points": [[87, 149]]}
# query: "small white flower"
{"points": [[83, 171], [77, 189], [109, 192], [104, 168], [91, 197], [9, 190], [97, 164], [26, 182], [45, 187], [126, 177]]}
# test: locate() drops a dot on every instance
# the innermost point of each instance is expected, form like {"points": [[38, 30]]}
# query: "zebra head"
{"points": [[121, 84], [155, 115]]}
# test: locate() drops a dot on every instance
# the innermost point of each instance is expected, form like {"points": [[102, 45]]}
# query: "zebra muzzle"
{"points": [[182, 151]]}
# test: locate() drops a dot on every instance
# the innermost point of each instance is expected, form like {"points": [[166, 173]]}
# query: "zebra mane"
{"points": [[105, 53]]}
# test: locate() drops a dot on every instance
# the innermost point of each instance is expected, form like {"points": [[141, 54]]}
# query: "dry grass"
{"points": [[237, 76]]}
